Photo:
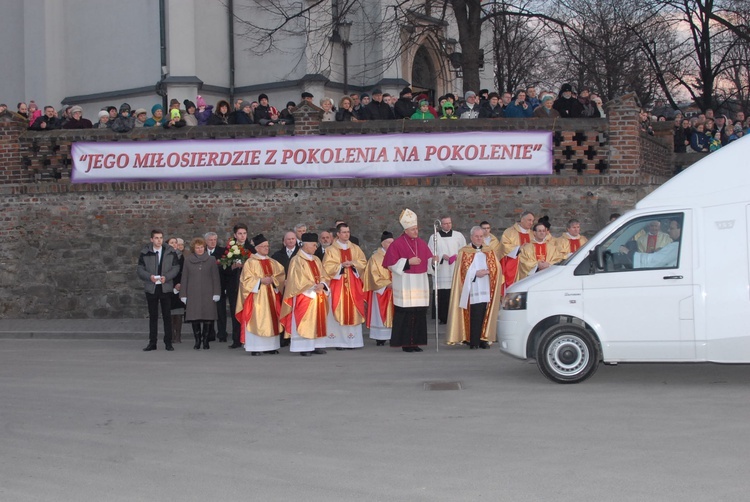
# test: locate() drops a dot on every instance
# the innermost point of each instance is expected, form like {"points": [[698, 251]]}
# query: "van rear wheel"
{"points": [[567, 353]]}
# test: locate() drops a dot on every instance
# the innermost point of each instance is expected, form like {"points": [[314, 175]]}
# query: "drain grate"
{"points": [[443, 386]]}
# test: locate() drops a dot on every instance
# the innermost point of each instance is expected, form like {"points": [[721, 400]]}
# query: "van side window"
{"points": [[650, 242]]}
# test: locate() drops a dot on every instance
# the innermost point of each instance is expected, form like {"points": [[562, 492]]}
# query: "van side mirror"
{"points": [[599, 250]]}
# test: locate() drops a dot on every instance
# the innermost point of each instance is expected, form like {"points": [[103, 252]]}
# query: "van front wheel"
{"points": [[567, 353]]}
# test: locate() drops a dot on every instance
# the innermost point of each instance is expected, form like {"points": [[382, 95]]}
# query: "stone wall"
{"points": [[70, 250]]}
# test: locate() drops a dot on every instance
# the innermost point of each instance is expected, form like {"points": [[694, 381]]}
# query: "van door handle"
{"points": [[673, 277]]}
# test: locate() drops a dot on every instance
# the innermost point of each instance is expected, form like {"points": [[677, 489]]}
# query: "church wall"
{"points": [[70, 250]]}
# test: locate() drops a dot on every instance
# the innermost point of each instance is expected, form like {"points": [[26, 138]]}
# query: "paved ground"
{"points": [[99, 420]]}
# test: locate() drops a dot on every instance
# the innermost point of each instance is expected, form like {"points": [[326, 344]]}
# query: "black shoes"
{"points": [[484, 345], [150, 346], [321, 351], [254, 353], [235, 346], [380, 343], [407, 349], [169, 347], [417, 349], [272, 352], [305, 354]]}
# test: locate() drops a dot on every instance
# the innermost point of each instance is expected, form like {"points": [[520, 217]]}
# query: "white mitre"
{"points": [[408, 219]]}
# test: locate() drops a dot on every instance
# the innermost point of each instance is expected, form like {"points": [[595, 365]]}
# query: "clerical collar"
{"points": [[308, 256], [260, 256], [344, 245], [476, 247], [540, 242], [573, 238], [449, 233]]}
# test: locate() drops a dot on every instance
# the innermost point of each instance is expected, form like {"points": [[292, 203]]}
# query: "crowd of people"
{"points": [[705, 132], [318, 289], [355, 107]]}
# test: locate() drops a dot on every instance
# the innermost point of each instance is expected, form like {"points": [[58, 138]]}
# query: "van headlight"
{"points": [[514, 301]]}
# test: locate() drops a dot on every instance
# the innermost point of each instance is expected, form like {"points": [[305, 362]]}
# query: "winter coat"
{"points": [[518, 112], [700, 141], [344, 115], [78, 124], [569, 108], [200, 283], [148, 266], [190, 119], [218, 119], [242, 118], [377, 110], [404, 108], [177, 307], [205, 116], [420, 115], [286, 117], [464, 112], [52, 124], [542, 113], [487, 112], [122, 124]]}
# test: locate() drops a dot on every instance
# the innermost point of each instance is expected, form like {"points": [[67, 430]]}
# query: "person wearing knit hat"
{"points": [[189, 115], [377, 286], [424, 112], [259, 302], [124, 121], [286, 116], [103, 122], [141, 115], [408, 259], [203, 112], [244, 116], [304, 310], [404, 107], [264, 113], [470, 109], [157, 117], [566, 104], [545, 110]]}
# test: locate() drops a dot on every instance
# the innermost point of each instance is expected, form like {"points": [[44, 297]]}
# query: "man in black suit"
{"points": [[158, 265], [213, 249], [232, 280], [288, 249]]}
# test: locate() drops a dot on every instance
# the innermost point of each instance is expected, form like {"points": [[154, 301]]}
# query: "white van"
{"points": [[632, 294]]}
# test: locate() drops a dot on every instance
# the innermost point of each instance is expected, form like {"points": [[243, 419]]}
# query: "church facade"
{"points": [[147, 51]]}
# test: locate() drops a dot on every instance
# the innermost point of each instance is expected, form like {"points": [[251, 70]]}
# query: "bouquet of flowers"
{"points": [[234, 253]]}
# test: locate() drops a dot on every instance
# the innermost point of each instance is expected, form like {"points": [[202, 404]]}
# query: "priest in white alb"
{"points": [[475, 294], [449, 241], [344, 262], [304, 310], [259, 301], [377, 284]]}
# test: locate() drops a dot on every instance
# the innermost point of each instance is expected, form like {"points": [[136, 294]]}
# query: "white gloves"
{"points": [[184, 300], [216, 298]]}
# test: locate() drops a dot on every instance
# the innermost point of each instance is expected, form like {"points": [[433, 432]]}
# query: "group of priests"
{"points": [[320, 304]]}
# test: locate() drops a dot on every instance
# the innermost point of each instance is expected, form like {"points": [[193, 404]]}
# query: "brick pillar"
{"points": [[307, 119], [10, 151], [624, 135]]}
